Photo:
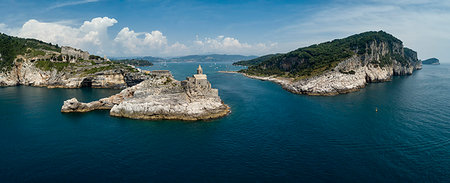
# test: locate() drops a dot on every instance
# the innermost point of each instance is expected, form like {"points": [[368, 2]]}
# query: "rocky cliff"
{"points": [[161, 97], [73, 75], [340, 66], [36, 63]]}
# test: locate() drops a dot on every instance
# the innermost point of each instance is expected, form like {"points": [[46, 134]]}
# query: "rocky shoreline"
{"points": [[337, 81], [69, 68], [161, 97]]}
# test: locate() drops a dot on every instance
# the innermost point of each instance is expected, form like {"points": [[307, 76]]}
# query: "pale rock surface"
{"points": [[339, 80], [160, 97]]}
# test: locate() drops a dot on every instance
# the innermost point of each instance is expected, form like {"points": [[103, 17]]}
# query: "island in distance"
{"points": [[431, 61], [338, 66]]}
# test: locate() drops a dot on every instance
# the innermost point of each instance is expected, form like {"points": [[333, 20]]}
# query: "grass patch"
{"points": [[47, 65]]}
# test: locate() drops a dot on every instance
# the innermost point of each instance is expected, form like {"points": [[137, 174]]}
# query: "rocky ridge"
{"points": [[160, 97], [380, 62], [57, 70]]}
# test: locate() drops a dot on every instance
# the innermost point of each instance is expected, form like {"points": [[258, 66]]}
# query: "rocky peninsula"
{"points": [[336, 67], [160, 97], [35, 63]]}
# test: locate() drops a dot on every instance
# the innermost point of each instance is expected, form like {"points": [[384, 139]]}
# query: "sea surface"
{"points": [[270, 136]]}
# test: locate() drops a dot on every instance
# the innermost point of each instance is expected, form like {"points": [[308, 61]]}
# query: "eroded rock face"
{"points": [[26, 73], [161, 97], [350, 75]]}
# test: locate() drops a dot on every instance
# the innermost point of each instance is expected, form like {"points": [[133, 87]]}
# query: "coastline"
{"points": [[295, 86]]}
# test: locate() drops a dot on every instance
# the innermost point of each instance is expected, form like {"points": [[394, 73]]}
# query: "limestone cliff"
{"points": [[73, 75], [340, 66], [160, 97], [36, 63]]}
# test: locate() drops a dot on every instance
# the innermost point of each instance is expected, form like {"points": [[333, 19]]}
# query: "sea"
{"points": [[396, 131]]}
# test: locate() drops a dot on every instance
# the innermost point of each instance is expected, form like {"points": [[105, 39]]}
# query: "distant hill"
{"points": [[431, 61], [152, 59], [211, 58], [194, 58], [256, 61], [135, 62]]}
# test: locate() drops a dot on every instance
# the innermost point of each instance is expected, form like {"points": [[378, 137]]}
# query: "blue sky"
{"points": [[174, 28]]}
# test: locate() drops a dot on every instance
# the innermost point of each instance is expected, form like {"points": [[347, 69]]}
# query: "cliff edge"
{"points": [[339, 66], [160, 97], [35, 63]]}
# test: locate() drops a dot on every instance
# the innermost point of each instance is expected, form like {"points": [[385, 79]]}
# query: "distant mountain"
{"points": [[194, 58], [152, 59], [431, 61], [211, 58], [135, 62], [256, 61]]}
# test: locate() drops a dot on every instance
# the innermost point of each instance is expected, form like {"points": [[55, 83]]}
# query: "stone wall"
{"points": [[72, 52]]}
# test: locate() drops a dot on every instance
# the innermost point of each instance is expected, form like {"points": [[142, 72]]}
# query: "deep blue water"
{"points": [[271, 135]]}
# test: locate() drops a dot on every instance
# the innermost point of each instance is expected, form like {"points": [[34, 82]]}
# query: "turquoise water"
{"points": [[271, 135]]}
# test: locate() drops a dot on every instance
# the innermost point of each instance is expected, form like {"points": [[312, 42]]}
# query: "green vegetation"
{"points": [[134, 62], [99, 69], [11, 46], [256, 61], [47, 65], [316, 59], [35, 53], [109, 67]]}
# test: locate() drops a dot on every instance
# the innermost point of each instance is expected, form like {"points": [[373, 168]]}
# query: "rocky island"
{"points": [[161, 97], [431, 61], [35, 63], [338, 66]]}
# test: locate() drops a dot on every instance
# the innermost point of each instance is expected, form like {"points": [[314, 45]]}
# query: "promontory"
{"points": [[161, 97], [35, 63], [338, 66]]}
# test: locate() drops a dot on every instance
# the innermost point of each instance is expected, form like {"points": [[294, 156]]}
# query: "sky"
{"points": [[168, 28]]}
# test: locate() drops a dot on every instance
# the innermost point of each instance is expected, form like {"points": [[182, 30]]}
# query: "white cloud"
{"points": [[138, 43], [229, 45], [93, 36]]}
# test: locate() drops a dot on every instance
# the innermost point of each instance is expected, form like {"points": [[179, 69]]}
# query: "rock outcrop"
{"points": [[348, 76], [73, 75], [161, 97]]}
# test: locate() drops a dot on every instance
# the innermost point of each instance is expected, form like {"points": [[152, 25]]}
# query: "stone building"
{"points": [[198, 84], [72, 54]]}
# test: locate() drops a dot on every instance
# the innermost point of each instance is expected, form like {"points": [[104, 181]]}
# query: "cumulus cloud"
{"points": [[90, 35], [140, 42], [93, 36], [230, 45]]}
